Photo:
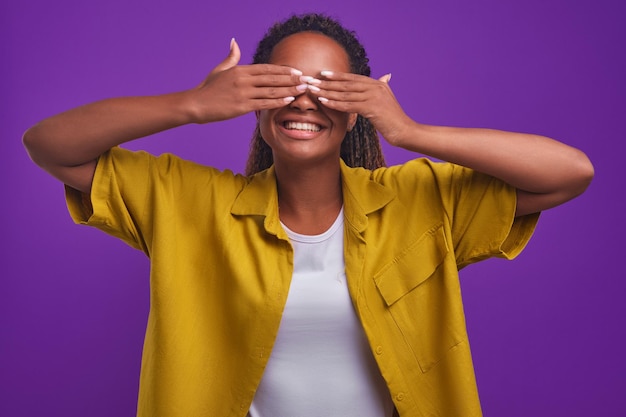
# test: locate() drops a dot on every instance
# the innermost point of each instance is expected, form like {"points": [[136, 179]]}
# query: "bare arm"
{"points": [[67, 145], [545, 172]]}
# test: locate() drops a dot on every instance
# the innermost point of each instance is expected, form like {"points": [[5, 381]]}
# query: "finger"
{"points": [[348, 102], [278, 92], [342, 106], [271, 69], [385, 78], [342, 82], [345, 86], [267, 104], [341, 94], [274, 80], [365, 89], [234, 54], [340, 76]]}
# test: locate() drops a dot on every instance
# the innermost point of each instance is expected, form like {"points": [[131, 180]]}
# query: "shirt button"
{"points": [[400, 396], [379, 350]]}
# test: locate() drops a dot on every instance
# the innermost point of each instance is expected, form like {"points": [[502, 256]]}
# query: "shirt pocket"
{"points": [[422, 299]]}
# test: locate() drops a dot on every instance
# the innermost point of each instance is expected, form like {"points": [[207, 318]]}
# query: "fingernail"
{"points": [[232, 43], [296, 72], [302, 87], [313, 88], [289, 99], [326, 73], [310, 80], [323, 99]]}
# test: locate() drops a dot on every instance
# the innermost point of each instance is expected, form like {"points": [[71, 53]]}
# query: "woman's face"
{"points": [[305, 130]]}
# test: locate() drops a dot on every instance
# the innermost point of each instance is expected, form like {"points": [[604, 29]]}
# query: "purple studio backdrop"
{"points": [[547, 329]]}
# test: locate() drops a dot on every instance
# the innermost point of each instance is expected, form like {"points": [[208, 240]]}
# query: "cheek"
{"points": [[265, 124], [341, 121]]}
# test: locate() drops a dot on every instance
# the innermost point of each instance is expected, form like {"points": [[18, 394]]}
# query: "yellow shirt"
{"points": [[221, 265]]}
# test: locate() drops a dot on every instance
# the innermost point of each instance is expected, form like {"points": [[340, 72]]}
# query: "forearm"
{"points": [[545, 172], [80, 135]]}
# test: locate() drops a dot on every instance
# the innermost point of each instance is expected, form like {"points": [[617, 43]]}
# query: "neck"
{"points": [[309, 199]]}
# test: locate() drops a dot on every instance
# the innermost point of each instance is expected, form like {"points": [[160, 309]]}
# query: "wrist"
{"points": [[189, 107], [404, 135]]}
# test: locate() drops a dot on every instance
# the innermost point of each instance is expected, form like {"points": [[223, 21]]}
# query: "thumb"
{"points": [[234, 55], [385, 78]]}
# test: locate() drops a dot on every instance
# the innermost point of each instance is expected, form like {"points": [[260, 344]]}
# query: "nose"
{"points": [[304, 102]]}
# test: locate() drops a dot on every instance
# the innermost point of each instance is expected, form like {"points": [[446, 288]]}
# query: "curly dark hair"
{"points": [[361, 145]]}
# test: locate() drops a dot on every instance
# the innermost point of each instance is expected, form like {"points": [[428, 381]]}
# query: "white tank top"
{"points": [[321, 363]]}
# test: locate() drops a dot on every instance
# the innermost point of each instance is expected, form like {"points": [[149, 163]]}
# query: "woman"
{"points": [[321, 283]]}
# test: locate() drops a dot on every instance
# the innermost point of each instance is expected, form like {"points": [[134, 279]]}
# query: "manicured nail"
{"points": [[289, 99], [232, 43], [296, 72], [326, 73], [323, 99], [313, 88], [302, 87], [310, 80]]}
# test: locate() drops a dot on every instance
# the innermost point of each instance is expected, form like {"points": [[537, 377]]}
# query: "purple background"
{"points": [[547, 330]]}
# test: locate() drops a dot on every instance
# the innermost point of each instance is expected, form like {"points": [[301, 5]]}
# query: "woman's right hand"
{"points": [[231, 90], [68, 144]]}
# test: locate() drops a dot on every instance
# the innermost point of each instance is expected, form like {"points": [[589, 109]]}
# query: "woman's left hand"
{"points": [[369, 97]]}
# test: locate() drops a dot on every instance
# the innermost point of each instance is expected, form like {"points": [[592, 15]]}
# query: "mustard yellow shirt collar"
{"points": [[361, 196]]}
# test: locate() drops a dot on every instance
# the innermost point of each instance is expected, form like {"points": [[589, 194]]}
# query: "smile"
{"points": [[306, 127]]}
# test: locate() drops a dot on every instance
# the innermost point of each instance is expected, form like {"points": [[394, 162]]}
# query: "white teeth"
{"points": [[310, 127]]}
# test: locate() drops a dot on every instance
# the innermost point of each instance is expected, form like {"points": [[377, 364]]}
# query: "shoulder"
{"points": [[429, 185], [163, 168], [420, 174]]}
